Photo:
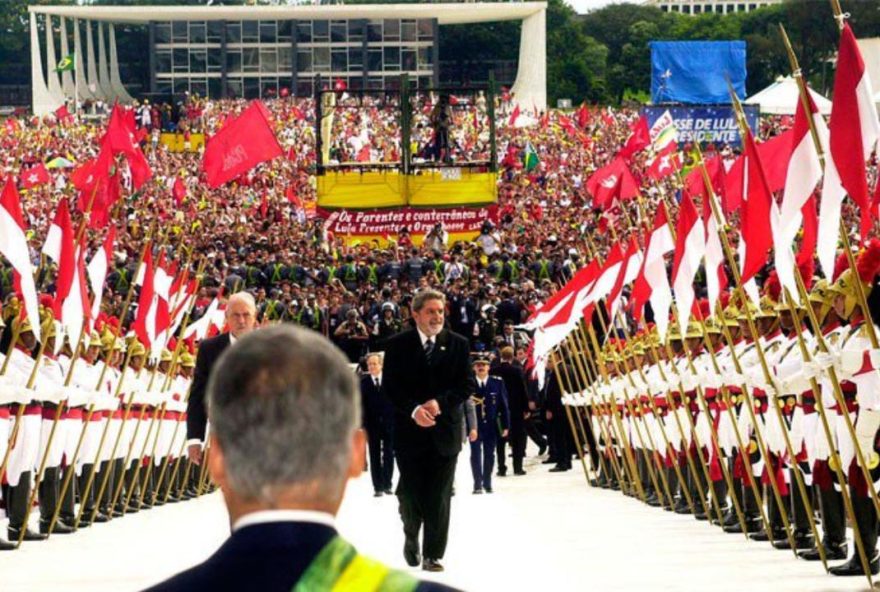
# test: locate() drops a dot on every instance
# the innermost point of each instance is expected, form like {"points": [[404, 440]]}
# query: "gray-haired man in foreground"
{"points": [[284, 411]]}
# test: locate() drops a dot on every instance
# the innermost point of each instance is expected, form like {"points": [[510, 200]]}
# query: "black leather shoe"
{"points": [[478, 491], [519, 473], [542, 449], [388, 491], [100, 518], [378, 494], [29, 535], [801, 541], [653, 501], [59, 528], [682, 509], [7, 546], [117, 513], [853, 567], [832, 551], [489, 490], [560, 469], [411, 552], [752, 526], [548, 462], [502, 472], [763, 536], [431, 565]]}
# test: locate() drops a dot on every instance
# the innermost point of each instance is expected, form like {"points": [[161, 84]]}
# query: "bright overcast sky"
{"points": [[585, 5]]}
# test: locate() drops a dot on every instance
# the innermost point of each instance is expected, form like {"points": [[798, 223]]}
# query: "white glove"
{"points": [[826, 360]]}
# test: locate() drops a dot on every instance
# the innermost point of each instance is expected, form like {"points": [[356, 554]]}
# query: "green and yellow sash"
{"points": [[339, 567]]}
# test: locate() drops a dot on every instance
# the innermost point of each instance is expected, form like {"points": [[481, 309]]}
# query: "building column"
{"points": [[42, 101], [115, 81], [92, 66], [51, 63], [294, 67], [82, 84], [103, 71], [67, 84], [530, 88]]}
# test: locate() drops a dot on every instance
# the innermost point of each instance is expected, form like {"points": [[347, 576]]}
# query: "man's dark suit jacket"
{"points": [[196, 413], [517, 394], [269, 557], [378, 412], [411, 381]]}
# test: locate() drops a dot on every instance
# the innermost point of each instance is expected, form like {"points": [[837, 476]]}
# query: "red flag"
{"points": [[35, 176], [513, 116], [613, 180], [241, 145], [120, 138], [583, 116], [690, 247], [14, 247], [638, 140], [755, 215], [62, 114], [178, 190], [694, 184], [854, 126], [653, 272], [666, 163]]}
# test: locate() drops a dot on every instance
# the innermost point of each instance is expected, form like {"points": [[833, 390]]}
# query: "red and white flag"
{"points": [[35, 176], [854, 130], [612, 181], [213, 318], [97, 270], [652, 284], [242, 144], [689, 250], [14, 246], [60, 233], [76, 309], [803, 175], [140, 326], [629, 271], [666, 163]]}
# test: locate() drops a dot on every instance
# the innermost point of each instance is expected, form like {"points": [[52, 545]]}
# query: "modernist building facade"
{"points": [[716, 6], [247, 51]]}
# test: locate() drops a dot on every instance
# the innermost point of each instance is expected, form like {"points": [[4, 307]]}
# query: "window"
{"points": [[284, 30], [215, 88], [268, 60], [163, 87], [408, 62], [408, 30], [304, 32], [198, 32], [251, 88], [425, 57], [234, 87], [215, 32], [233, 61], [355, 30], [321, 59], [355, 58], [392, 58], [304, 60], [339, 60], [269, 87], [233, 32], [198, 61], [215, 62], [374, 60], [250, 59], [199, 86], [392, 30], [178, 32], [250, 31], [163, 32], [163, 61], [374, 31], [320, 31], [181, 85], [426, 29], [304, 87], [285, 59], [338, 31], [181, 60], [268, 32]]}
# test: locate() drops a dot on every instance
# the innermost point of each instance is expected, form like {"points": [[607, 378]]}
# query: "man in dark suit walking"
{"points": [[241, 315], [428, 379], [284, 441], [378, 420], [518, 401]]}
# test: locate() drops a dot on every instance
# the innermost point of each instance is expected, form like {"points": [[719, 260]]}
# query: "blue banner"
{"points": [[705, 124], [697, 72]]}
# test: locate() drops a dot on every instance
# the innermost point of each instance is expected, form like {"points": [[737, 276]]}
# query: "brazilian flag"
{"points": [[530, 158], [66, 64]]}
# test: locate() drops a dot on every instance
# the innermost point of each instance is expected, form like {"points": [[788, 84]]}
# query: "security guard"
{"points": [[493, 422]]}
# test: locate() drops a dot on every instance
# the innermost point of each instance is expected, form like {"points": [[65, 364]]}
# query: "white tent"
{"points": [[781, 98]]}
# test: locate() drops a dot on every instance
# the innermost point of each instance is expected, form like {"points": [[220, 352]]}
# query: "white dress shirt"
{"points": [[268, 516]]}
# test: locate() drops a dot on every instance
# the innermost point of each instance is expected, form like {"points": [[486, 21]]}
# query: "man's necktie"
{"points": [[429, 349], [378, 386]]}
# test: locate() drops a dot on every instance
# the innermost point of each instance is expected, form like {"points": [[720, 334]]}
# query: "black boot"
{"points": [[16, 507], [833, 550], [866, 519]]}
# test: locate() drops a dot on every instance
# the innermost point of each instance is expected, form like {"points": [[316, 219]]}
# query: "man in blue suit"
{"points": [[493, 423], [284, 412]]}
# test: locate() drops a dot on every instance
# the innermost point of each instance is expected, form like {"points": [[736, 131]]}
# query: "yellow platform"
{"points": [[387, 189]]}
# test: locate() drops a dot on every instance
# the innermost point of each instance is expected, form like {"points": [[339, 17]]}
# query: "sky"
{"points": [[584, 5]]}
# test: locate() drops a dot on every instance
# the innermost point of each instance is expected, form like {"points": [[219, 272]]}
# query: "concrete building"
{"points": [[716, 6], [255, 51]]}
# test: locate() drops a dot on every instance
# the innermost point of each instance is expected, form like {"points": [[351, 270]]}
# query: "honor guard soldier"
{"points": [[493, 422]]}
